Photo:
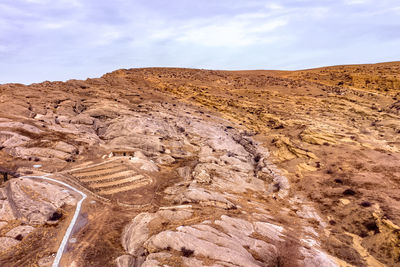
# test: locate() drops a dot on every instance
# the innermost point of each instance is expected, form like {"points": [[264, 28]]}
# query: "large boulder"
{"points": [[35, 201], [7, 243]]}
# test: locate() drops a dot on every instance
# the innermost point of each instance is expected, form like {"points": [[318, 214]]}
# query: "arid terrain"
{"points": [[187, 167]]}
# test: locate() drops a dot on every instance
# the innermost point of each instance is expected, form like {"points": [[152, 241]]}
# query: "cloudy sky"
{"points": [[63, 39]]}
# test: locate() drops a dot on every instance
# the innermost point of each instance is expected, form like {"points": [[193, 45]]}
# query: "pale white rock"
{"points": [[151, 263], [176, 207], [20, 125], [225, 264], [176, 216], [277, 179], [165, 160], [22, 231], [240, 230], [235, 225], [225, 163], [237, 182], [145, 164], [125, 261], [41, 152], [6, 212], [65, 147], [82, 119], [310, 242], [192, 262], [262, 217], [207, 198], [316, 258], [147, 143], [344, 201], [136, 233], [206, 155], [139, 154], [37, 207], [269, 230], [217, 138], [310, 230], [47, 261], [158, 256], [46, 191], [308, 212], [237, 164], [201, 176], [203, 243], [7, 243], [185, 173], [10, 139]]}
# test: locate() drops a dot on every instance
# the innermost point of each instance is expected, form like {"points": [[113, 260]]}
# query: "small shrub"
{"points": [[349, 192], [366, 204], [55, 216], [187, 252]]}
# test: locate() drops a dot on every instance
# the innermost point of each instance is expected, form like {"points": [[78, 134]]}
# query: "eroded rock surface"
{"points": [[271, 168], [30, 203], [210, 223]]}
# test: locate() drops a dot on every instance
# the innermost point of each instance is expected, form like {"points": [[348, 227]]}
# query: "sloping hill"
{"points": [[302, 161]]}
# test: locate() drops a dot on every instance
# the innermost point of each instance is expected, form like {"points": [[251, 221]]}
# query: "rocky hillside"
{"points": [[188, 167]]}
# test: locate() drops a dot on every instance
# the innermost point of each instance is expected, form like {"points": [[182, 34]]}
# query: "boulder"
{"points": [[10, 139], [271, 231], [125, 261], [41, 152], [136, 233], [207, 242], [206, 198], [175, 215], [65, 147], [20, 232], [165, 160], [7, 243], [185, 173], [35, 201], [145, 164]]}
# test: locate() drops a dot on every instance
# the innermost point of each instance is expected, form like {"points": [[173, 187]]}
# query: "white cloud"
{"points": [[356, 2], [273, 6], [240, 30], [320, 12], [40, 2], [3, 48], [220, 34], [73, 3], [56, 25], [251, 16], [105, 35]]}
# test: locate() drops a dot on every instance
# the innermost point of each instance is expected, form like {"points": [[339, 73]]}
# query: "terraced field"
{"points": [[110, 178]]}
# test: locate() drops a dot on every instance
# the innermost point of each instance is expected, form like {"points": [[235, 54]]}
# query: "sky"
{"points": [[76, 39]]}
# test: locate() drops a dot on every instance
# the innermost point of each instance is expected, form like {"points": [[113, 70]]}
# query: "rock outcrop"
{"points": [[31, 202]]}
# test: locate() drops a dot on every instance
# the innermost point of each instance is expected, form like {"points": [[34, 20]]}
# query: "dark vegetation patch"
{"points": [[55, 216], [187, 252], [371, 225], [365, 204], [349, 192]]}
